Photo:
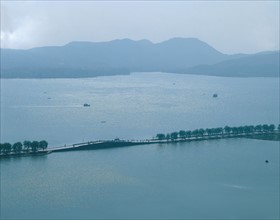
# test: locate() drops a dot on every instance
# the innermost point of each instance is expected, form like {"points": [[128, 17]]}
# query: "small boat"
{"points": [[215, 95], [86, 105]]}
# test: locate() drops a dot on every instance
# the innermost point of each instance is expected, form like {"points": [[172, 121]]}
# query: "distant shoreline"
{"points": [[129, 73]]}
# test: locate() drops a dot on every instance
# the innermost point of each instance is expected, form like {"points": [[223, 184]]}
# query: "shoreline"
{"points": [[25, 154], [131, 73], [267, 137]]}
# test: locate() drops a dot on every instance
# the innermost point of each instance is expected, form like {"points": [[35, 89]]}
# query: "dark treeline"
{"points": [[220, 131], [25, 147]]}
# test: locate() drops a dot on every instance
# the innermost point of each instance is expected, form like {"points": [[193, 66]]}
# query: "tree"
{"points": [[240, 129], [188, 134], [1, 147], [34, 146], [258, 128], [174, 135], [271, 127], [17, 147], [195, 133], [27, 145], [160, 136], [208, 131], [217, 131], [246, 129], [182, 134], [227, 129], [265, 128], [7, 147], [234, 130], [201, 132], [167, 136], [213, 131], [220, 130], [43, 144], [251, 128]]}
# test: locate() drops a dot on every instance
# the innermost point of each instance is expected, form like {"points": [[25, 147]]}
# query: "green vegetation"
{"points": [[21, 148], [227, 131], [264, 132]]}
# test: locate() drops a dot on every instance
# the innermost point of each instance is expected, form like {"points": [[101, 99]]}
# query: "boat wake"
{"points": [[46, 106], [235, 186]]}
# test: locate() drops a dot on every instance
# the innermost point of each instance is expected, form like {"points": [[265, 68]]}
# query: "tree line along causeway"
{"points": [[265, 131]]}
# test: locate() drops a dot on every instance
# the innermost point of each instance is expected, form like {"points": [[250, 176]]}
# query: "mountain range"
{"points": [[177, 55]]}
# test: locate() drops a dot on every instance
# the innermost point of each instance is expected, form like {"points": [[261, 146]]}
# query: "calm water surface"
{"points": [[208, 179], [135, 106]]}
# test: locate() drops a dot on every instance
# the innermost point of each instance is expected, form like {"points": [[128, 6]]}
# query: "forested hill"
{"points": [[258, 65], [88, 59]]}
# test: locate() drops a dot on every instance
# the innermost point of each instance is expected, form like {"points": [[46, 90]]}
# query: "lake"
{"points": [[206, 179]]}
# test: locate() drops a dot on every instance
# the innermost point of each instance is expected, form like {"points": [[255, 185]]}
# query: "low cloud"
{"points": [[22, 35], [230, 27]]}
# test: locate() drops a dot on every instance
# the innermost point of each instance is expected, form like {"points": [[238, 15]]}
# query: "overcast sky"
{"points": [[230, 27]]}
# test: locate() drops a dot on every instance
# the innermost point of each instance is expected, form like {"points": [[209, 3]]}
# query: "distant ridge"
{"points": [[264, 64], [89, 59]]}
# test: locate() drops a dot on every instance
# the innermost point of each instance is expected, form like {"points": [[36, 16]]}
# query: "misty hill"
{"points": [[83, 59], [88, 59], [263, 64]]}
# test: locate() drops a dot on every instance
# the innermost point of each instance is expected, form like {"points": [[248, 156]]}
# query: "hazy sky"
{"points": [[230, 27]]}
